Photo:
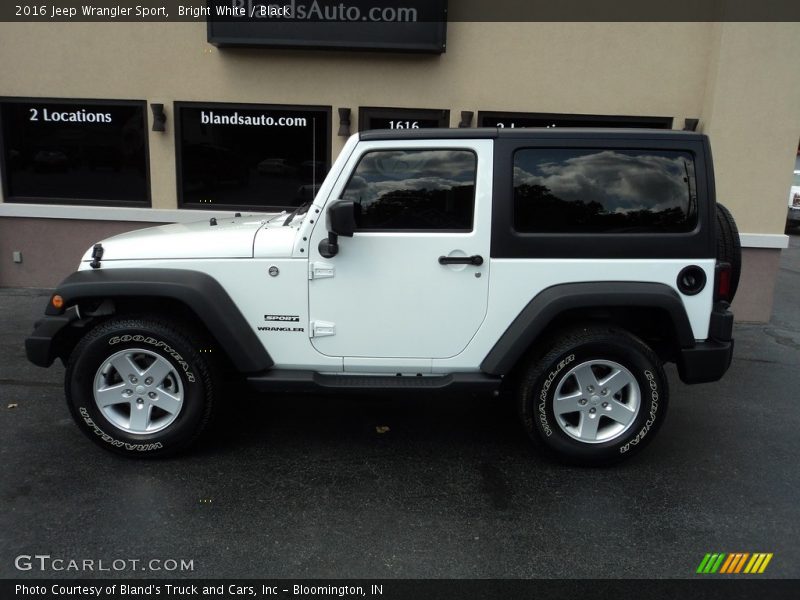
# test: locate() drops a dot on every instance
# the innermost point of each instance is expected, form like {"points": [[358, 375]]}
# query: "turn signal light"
{"points": [[57, 302], [722, 287]]}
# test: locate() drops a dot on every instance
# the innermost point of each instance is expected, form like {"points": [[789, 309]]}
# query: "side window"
{"points": [[559, 190], [414, 190]]}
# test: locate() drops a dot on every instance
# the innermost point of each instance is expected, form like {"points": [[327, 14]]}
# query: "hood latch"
{"points": [[97, 255]]}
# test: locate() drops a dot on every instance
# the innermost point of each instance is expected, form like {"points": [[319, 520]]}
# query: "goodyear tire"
{"points": [[597, 396], [140, 387], [729, 247]]}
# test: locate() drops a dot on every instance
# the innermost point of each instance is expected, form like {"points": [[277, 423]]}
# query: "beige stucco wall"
{"points": [[752, 116]]}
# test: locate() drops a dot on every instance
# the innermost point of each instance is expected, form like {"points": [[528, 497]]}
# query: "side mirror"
{"points": [[341, 217]]}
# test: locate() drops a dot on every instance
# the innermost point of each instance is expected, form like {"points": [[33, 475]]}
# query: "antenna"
{"points": [[313, 158]]}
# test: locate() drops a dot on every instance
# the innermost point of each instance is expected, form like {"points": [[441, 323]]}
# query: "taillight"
{"points": [[722, 282]]}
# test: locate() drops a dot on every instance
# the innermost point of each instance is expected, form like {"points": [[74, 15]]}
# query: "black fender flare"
{"points": [[552, 301], [200, 292]]}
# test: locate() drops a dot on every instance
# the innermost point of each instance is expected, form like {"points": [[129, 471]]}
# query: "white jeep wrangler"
{"points": [[566, 266]]}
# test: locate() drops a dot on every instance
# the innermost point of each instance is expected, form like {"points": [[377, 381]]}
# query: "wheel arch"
{"points": [[191, 295], [649, 310]]}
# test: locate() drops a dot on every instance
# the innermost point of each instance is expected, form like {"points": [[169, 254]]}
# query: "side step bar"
{"points": [[286, 380]]}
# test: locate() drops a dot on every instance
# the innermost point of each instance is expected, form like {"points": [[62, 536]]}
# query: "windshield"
{"points": [[796, 180]]}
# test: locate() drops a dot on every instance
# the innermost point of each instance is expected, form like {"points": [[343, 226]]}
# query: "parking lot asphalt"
{"points": [[307, 487]]}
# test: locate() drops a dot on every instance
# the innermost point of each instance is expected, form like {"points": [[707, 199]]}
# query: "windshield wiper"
{"points": [[300, 210]]}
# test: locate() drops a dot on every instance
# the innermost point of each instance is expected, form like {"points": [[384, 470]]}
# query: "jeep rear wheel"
{"points": [[140, 387], [596, 397]]}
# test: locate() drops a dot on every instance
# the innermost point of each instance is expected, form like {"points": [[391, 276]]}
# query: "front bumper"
{"points": [[41, 346], [793, 216], [709, 360]]}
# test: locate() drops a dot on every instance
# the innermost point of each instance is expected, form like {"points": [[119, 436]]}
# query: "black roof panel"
{"points": [[526, 133]]}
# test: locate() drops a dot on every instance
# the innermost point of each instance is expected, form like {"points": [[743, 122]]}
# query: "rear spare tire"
{"points": [[729, 248]]}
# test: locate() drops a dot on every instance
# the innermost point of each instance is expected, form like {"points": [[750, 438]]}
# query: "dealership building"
{"points": [[112, 126]]}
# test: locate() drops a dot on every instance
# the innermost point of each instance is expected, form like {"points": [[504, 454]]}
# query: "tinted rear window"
{"points": [[604, 191]]}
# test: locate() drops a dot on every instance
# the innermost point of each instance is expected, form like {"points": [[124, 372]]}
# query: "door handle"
{"points": [[475, 259]]}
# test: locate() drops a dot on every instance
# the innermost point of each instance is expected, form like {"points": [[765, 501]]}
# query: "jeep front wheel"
{"points": [[140, 387], [596, 397]]}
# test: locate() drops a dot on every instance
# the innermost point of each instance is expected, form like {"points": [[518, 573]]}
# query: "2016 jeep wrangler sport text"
{"points": [[566, 266]]}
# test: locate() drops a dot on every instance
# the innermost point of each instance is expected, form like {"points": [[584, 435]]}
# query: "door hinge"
{"points": [[319, 270], [322, 329]]}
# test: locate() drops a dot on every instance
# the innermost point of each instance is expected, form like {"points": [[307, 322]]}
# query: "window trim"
{"points": [[665, 123], [422, 149], [177, 105], [146, 202], [412, 114], [509, 243], [643, 148]]}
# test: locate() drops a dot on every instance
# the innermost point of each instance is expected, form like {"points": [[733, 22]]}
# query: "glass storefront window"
{"points": [[513, 120], [75, 151], [250, 156], [401, 118]]}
